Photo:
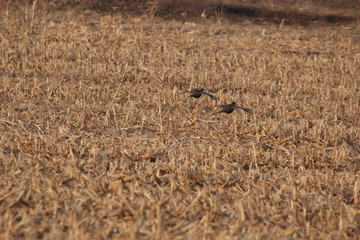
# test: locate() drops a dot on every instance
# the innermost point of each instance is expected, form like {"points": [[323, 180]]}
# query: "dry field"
{"points": [[97, 140]]}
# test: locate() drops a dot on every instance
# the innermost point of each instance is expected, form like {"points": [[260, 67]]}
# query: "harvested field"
{"points": [[99, 141]]}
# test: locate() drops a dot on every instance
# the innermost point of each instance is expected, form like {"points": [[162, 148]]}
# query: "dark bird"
{"points": [[197, 92], [229, 108]]}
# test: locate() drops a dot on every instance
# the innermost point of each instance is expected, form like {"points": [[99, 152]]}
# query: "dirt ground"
{"points": [[99, 139]]}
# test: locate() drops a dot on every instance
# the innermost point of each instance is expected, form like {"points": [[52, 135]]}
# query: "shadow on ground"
{"points": [[288, 16], [186, 10]]}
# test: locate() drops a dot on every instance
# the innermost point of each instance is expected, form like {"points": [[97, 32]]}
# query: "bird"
{"points": [[229, 108], [197, 92]]}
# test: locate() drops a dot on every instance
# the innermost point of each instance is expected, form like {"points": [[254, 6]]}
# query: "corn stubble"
{"points": [[96, 141]]}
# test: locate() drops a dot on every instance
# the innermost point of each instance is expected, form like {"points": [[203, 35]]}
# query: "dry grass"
{"points": [[97, 143]]}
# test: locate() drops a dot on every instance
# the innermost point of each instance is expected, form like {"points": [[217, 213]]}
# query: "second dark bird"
{"points": [[229, 108], [197, 92]]}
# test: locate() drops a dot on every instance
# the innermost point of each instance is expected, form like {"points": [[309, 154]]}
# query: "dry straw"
{"points": [[96, 141]]}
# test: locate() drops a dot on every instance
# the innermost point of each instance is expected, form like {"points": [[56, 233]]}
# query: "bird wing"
{"points": [[191, 91], [245, 109], [195, 90], [222, 106], [208, 94]]}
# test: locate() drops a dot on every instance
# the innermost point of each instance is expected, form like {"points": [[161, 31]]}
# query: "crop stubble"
{"points": [[98, 143]]}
